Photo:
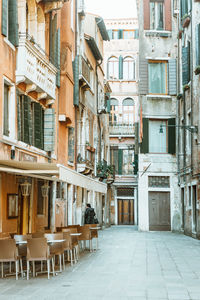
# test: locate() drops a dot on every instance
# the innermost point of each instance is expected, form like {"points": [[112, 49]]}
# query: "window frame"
{"points": [[166, 75], [11, 110], [156, 15], [128, 31], [134, 68], [149, 134], [110, 62]]}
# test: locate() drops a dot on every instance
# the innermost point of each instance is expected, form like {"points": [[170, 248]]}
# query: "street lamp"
{"points": [[192, 128], [25, 188]]}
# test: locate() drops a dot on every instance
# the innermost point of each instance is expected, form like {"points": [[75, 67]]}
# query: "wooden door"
{"points": [[125, 212], [159, 211]]}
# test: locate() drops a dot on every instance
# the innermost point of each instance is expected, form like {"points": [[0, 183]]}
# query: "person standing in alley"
{"points": [[89, 214]]}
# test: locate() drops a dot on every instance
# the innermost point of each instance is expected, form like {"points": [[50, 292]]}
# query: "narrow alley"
{"points": [[128, 265]]}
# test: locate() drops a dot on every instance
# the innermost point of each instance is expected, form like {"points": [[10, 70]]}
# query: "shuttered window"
{"points": [[9, 21], [172, 136], [144, 148], [186, 64], [123, 160], [58, 57], [172, 77], [157, 137], [197, 38], [128, 68], [71, 145], [157, 15], [157, 73], [113, 68], [49, 129], [76, 80], [53, 39], [30, 121], [120, 67], [6, 110]]}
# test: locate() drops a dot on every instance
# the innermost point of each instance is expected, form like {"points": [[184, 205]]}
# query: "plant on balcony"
{"points": [[89, 147], [186, 87], [197, 70]]}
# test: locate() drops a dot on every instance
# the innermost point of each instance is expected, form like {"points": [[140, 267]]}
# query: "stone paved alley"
{"points": [[129, 265]]}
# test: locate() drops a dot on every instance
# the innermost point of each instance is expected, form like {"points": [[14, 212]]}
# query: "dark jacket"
{"points": [[89, 215]]}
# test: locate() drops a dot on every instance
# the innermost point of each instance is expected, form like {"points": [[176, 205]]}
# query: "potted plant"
{"points": [[185, 20], [197, 70]]}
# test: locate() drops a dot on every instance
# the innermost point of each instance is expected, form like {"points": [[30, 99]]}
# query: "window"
{"points": [[197, 38], [123, 160], [128, 111], [157, 137], [128, 34], [157, 72], [114, 110], [156, 16], [115, 34], [159, 181], [6, 110], [186, 64], [113, 68], [9, 110], [128, 68], [71, 145], [185, 7], [9, 24], [30, 122]]}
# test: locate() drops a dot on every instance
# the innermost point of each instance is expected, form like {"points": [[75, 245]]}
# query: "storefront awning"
{"points": [[52, 172]]}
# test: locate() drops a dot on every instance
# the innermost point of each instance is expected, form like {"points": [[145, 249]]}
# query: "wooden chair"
{"points": [[67, 245], [56, 249], [94, 233], [85, 236], [9, 253], [38, 250]]}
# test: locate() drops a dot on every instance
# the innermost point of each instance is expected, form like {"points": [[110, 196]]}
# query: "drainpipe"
{"points": [[191, 87], [178, 104]]}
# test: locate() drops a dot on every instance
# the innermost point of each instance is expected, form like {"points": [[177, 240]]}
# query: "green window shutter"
{"points": [[38, 125], [13, 22], [120, 67], [6, 110], [30, 122], [26, 120], [110, 33], [144, 148], [108, 106], [172, 87], [197, 38], [135, 164], [4, 17], [58, 57], [120, 161], [49, 129], [172, 136], [76, 80], [185, 67], [19, 119], [143, 70], [120, 34], [52, 38]]}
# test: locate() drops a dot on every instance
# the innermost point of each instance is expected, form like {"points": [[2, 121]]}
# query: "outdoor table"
{"points": [[95, 228], [21, 242], [75, 234], [55, 241]]}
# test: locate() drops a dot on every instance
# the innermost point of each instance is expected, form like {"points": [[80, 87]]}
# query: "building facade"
{"points": [[159, 202], [40, 186], [121, 66], [188, 114]]}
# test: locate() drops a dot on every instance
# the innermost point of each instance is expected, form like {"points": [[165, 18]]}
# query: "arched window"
{"points": [[113, 68], [128, 68], [128, 111], [114, 110]]}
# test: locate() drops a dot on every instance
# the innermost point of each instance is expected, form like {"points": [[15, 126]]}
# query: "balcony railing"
{"points": [[84, 71], [34, 68], [119, 129]]}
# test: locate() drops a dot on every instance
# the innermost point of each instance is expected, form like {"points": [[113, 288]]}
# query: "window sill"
{"points": [[158, 33], [157, 97], [9, 43], [31, 148], [9, 139], [70, 164]]}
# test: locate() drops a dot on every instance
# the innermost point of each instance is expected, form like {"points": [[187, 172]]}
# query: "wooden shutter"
{"points": [[135, 164], [110, 33], [76, 80], [144, 148], [6, 110], [120, 67], [19, 120], [120, 161], [197, 46], [26, 120], [38, 125], [172, 136], [58, 57], [49, 129], [52, 38], [185, 67], [120, 34], [30, 122], [108, 106], [13, 22], [143, 70], [172, 84], [4, 18], [146, 10], [168, 15], [136, 34]]}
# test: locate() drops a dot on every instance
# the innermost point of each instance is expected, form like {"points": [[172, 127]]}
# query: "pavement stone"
{"points": [[129, 265]]}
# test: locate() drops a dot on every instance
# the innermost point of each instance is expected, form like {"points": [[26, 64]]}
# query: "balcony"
{"points": [[84, 72], [85, 159], [120, 129], [34, 68]]}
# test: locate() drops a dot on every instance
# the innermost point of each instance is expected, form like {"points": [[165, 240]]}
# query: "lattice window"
{"points": [[159, 181]]}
